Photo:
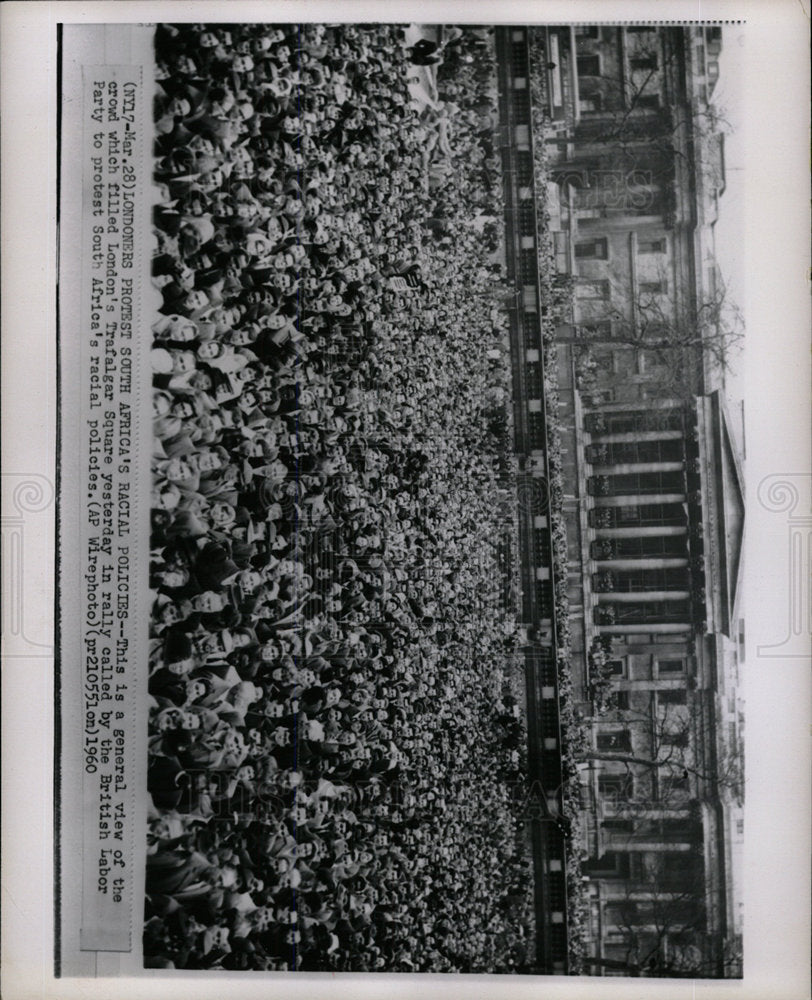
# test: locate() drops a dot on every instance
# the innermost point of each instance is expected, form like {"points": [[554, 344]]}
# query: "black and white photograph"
{"points": [[447, 501], [402, 614]]}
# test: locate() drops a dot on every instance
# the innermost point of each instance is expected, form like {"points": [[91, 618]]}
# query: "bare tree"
{"points": [[633, 111], [676, 340], [680, 336], [662, 930], [659, 918], [663, 753], [648, 929]]}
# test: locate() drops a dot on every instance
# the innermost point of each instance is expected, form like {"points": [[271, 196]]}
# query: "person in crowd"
{"points": [[327, 650]]}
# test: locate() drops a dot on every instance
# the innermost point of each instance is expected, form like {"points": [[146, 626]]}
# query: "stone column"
{"points": [[639, 499], [636, 467], [643, 596], [630, 437], [643, 563], [649, 404], [648, 532], [643, 628]]}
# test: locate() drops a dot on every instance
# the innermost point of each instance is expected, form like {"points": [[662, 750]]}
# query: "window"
{"points": [[622, 700], [615, 864], [651, 246], [616, 668], [603, 395], [653, 287], [597, 249], [618, 825], [624, 361], [677, 739], [673, 638], [653, 361], [589, 289], [620, 740], [616, 787], [589, 66], [649, 102], [586, 31], [622, 914], [602, 356], [677, 870], [671, 666], [675, 786], [628, 392], [618, 953], [675, 829], [590, 105], [675, 697], [602, 330], [647, 62]]}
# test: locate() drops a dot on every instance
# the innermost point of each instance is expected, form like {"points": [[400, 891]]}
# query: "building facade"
{"points": [[654, 493]]}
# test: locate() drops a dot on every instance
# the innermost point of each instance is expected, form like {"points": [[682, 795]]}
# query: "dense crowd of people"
{"points": [[334, 724]]}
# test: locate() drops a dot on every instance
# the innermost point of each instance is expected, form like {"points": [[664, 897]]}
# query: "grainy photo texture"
{"points": [[441, 671]]}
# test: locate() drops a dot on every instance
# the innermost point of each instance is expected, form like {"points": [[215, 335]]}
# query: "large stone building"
{"points": [[654, 492]]}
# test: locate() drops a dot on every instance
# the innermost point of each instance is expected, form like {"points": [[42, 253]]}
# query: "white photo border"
{"points": [[777, 390]]}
